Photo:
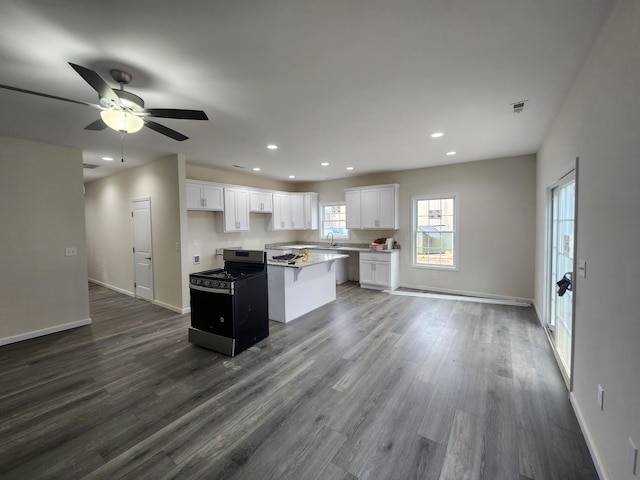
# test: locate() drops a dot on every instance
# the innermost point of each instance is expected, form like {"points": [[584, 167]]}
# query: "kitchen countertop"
{"points": [[320, 246], [314, 259]]}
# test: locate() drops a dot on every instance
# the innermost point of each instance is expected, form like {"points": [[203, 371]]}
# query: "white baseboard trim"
{"points": [[477, 296], [587, 436], [538, 313], [45, 331], [111, 287], [173, 308]]}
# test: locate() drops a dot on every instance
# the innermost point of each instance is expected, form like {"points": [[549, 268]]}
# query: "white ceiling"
{"points": [[359, 83]]}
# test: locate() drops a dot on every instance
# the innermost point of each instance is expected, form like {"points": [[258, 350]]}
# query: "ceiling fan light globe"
{"points": [[121, 121]]}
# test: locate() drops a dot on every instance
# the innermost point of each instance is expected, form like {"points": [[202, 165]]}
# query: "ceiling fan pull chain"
{"points": [[122, 147]]}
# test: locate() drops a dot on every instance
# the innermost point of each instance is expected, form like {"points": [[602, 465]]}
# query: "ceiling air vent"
{"points": [[518, 107], [89, 166]]}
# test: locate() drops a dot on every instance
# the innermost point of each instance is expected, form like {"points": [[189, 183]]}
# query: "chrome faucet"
{"points": [[333, 243]]}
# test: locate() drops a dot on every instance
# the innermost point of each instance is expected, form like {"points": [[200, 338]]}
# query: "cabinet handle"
{"points": [[204, 200]]}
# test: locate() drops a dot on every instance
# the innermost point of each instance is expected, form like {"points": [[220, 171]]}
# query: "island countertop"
{"points": [[323, 246], [314, 259]]}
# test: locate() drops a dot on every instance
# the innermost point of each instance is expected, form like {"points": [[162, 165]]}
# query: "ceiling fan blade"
{"points": [[46, 95], [97, 125], [97, 83], [176, 113], [165, 130]]}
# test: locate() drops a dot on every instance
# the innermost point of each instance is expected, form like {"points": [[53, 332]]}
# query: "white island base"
{"points": [[298, 289]]}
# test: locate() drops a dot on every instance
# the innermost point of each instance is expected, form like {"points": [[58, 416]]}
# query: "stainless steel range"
{"points": [[229, 306]]}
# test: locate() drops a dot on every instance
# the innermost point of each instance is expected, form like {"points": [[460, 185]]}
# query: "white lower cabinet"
{"points": [[380, 271]]}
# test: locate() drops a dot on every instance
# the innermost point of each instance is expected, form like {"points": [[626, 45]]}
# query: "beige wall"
{"points": [[41, 213], [496, 225], [109, 238], [599, 124]]}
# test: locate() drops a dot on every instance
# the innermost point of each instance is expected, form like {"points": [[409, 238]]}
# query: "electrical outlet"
{"points": [[601, 397], [71, 251], [196, 259], [633, 457]]}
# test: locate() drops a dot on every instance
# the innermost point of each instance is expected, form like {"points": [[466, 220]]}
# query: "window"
{"points": [[333, 220], [434, 231]]}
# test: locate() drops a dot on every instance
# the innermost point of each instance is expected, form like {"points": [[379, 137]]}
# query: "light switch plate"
{"points": [[196, 259], [582, 267], [71, 251], [601, 397]]}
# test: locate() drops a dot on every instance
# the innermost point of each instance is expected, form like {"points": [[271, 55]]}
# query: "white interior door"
{"points": [[562, 242], [142, 257]]}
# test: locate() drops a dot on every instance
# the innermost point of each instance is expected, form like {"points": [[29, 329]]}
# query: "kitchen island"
{"points": [[300, 287]]}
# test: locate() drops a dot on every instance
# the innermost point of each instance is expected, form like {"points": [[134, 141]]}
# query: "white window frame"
{"points": [[414, 227], [323, 236]]}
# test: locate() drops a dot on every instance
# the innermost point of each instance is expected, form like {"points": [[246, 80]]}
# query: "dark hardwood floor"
{"points": [[369, 386]]}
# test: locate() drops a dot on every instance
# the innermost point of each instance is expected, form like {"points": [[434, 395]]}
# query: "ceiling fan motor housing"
{"points": [[129, 100]]}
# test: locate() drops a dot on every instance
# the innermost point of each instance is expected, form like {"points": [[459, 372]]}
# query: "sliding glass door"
{"points": [[560, 280]]}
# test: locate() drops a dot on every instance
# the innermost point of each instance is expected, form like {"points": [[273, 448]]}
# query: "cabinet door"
{"points": [[267, 202], [212, 197], [297, 211], [311, 211], [242, 210], [381, 274], [367, 272], [352, 208], [369, 208], [387, 208], [281, 219], [261, 202], [236, 210], [194, 196]]}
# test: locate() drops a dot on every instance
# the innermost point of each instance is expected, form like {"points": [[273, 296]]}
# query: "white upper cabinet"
{"points": [[236, 210], [352, 207], [261, 202], [372, 208], [281, 218], [204, 196], [297, 211], [311, 211], [294, 211]]}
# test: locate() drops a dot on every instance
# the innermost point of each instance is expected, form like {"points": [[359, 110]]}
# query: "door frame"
{"points": [[572, 168], [133, 254]]}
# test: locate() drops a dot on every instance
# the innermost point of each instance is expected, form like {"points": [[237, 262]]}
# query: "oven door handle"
{"points": [[223, 291]]}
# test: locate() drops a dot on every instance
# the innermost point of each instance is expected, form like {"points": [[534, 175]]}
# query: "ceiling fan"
{"points": [[122, 110]]}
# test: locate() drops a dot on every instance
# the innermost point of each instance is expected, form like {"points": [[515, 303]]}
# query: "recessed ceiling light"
{"points": [[437, 134], [108, 159], [349, 168], [272, 147], [292, 176], [451, 153], [256, 169], [325, 164]]}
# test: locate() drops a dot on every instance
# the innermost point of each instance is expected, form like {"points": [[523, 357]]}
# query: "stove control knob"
{"points": [[221, 319]]}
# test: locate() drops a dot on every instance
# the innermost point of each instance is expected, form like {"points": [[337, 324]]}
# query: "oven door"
{"points": [[212, 312]]}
